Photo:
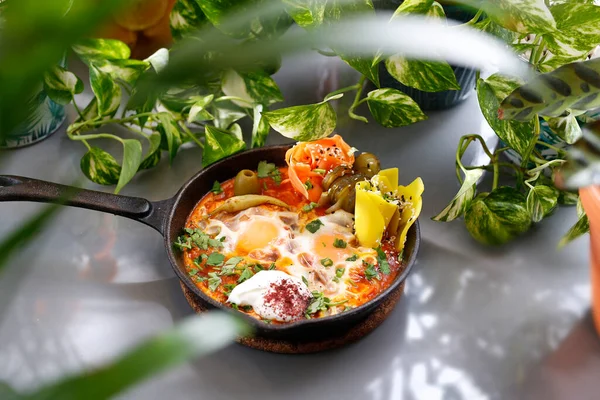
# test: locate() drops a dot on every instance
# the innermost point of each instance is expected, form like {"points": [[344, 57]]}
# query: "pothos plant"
{"points": [[210, 115], [550, 36]]}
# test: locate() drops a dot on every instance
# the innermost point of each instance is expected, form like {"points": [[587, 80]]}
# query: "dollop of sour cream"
{"points": [[274, 295]]}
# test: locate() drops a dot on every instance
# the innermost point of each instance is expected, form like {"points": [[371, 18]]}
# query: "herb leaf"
{"points": [[216, 188], [353, 258], [214, 281], [327, 262], [370, 271], [314, 225], [309, 207], [339, 243], [245, 275], [382, 261], [215, 259], [268, 170]]}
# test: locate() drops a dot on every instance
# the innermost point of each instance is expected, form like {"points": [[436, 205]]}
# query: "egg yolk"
{"points": [[324, 248], [257, 236]]}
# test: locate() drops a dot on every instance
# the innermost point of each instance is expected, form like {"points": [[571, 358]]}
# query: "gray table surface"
{"points": [[475, 323]]}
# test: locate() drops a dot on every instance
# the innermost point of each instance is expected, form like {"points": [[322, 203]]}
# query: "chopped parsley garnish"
{"points": [[227, 288], [229, 267], [308, 185], [258, 268], [327, 262], [214, 281], [234, 306], [198, 260], [198, 278], [197, 238], [370, 271], [245, 275], [267, 321], [272, 266], [192, 272], [215, 259], [216, 188], [268, 170], [384, 266], [246, 308], [353, 258], [183, 242], [314, 226], [339, 272], [305, 280], [222, 239], [320, 303], [339, 243], [309, 207]]}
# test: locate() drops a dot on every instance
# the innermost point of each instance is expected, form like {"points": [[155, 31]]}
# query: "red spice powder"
{"points": [[286, 300]]}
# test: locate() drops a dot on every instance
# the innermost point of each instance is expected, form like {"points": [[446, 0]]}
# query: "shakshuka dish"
{"points": [[314, 238]]}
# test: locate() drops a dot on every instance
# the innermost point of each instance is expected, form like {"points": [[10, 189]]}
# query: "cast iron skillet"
{"points": [[169, 216]]}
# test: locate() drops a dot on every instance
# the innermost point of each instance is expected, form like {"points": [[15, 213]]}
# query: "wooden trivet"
{"points": [[292, 347]]}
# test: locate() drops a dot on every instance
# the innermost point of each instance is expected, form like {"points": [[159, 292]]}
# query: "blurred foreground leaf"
{"points": [[196, 336]]}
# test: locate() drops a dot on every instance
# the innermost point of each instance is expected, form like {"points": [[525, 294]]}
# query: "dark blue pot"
{"points": [[433, 100]]}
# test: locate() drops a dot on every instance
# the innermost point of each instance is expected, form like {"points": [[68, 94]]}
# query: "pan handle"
{"points": [[18, 188]]}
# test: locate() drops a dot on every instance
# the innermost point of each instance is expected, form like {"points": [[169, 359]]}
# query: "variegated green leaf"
{"points": [[581, 227], [392, 108], [216, 12], [251, 88], [61, 85], [522, 16], [577, 33], [436, 11], [542, 200], [413, 7], [260, 128], [423, 75], [574, 86], [107, 92], [497, 217], [568, 198], [303, 123], [100, 167], [489, 26], [127, 71], [313, 13], [518, 135], [463, 198], [132, 158], [369, 67], [159, 59], [567, 127], [198, 111], [219, 144], [227, 113], [186, 18], [153, 154], [89, 49], [170, 134]]}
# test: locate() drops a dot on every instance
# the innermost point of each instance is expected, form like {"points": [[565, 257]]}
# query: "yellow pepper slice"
{"points": [[391, 174], [412, 196], [368, 221]]}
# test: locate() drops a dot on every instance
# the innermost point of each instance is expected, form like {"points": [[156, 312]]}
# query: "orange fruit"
{"points": [[142, 14]]}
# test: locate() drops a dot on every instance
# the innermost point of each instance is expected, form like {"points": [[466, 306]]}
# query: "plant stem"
{"points": [[96, 136], [475, 18], [360, 86], [117, 120], [77, 109], [558, 150], [545, 165], [496, 175], [86, 144], [137, 131], [344, 90], [191, 135], [225, 98]]}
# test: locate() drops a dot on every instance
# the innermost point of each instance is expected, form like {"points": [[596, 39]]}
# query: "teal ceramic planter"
{"points": [[43, 119]]}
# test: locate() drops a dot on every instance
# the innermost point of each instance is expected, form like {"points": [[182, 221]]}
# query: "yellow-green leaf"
{"points": [[100, 167], [497, 217], [567, 127], [260, 128], [107, 92], [89, 49], [132, 158], [423, 75], [153, 154], [462, 200], [61, 85], [522, 16], [392, 108], [303, 123], [542, 200], [219, 144], [170, 134]]}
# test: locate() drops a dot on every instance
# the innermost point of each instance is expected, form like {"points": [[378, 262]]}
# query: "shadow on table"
{"points": [[572, 371]]}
